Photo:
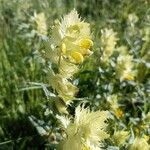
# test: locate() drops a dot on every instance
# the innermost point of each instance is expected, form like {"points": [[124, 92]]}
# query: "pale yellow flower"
{"points": [[120, 137], [123, 50], [108, 42], [139, 144], [146, 137], [124, 68], [73, 37], [65, 89], [86, 131], [67, 69], [40, 20], [132, 18]]}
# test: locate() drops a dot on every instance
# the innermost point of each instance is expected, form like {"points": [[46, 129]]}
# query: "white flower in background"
{"points": [[132, 19], [40, 20], [108, 42], [124, 67], [86, 131]]}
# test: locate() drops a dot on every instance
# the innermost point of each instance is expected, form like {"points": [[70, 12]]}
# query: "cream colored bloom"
{"points": [[124, 68], [67, 69], [64, 88], [120, 137], [123, 50], [139, 144], [41, 23], [73, 37], [86, 131], [108, 42]]}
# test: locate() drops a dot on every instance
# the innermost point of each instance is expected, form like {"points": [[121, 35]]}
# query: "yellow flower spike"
{"points": [[77, 57], [86, 43], [63, 48]]}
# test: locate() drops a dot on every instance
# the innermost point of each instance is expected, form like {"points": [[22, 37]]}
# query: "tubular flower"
{"points": [[124, 68], [139, 144], [41, 23], [73, 37], [86, 131], [108, 42]]}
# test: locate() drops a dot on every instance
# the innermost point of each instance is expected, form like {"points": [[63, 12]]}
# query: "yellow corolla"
{"points": [[86, 43], [78, 57]]}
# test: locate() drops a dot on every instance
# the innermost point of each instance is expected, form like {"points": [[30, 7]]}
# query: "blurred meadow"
{"points": [[26, 111]]}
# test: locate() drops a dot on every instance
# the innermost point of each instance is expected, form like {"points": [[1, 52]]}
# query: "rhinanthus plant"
{"points": [[70, 44]]}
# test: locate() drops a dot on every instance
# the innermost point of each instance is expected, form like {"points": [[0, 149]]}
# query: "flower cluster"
{"points": [[73, 37], [70, 43], [86, 131], [108, 43], [124, 68], [40, 20]]}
